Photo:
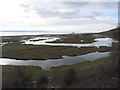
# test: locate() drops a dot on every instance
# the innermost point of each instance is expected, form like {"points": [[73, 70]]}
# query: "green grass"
{"points": [[13, 38], [43, 52], [104, 49], [25, 52], [16, 50], [113, 33], [83, 66], [82, 69], [72, 38], [32, 71], [36, 71]]}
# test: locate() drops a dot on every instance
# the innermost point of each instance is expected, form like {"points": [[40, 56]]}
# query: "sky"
{"points": [[58, 16]]}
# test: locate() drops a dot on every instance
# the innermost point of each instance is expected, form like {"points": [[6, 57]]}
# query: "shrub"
{"points": [[69, 77], [42, 82]]}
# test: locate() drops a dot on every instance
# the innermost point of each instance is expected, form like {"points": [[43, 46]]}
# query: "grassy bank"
{"points": [[84, 66], [100, 73], [54, 75], [35, 70], [113, 33], [21, 76]]}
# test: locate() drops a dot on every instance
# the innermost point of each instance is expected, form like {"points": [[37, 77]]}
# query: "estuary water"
{"points": [[66, 60], [47, 64], [98, 42]]}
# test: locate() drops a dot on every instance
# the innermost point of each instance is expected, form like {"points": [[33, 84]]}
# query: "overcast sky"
{"points": [[61, 17]]}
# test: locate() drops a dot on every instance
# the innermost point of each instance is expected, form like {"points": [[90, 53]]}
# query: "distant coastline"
{"points": [[26, 33]]}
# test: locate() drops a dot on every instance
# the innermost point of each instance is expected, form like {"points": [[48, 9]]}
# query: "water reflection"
{"points": [[47, 64], [99, 42]]}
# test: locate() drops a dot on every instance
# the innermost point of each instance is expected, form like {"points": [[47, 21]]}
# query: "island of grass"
{"points": [[15, 50], [67, 38], [43, 52], [76, 39]]}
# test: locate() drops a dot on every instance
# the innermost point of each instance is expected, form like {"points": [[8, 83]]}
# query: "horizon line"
{"points": [[23, 31]]}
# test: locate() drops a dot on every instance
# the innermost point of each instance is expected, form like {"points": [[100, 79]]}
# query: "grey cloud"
{"points": [[109, 5], [25, 5], [47, 12], [94, 13], [91, 17], [70, 14], [53, 10], [56, 13], [73, 9], [66, 15], [76, 4]]}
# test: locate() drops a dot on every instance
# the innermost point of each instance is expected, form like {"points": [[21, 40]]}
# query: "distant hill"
{"points": [[114, 33]]}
